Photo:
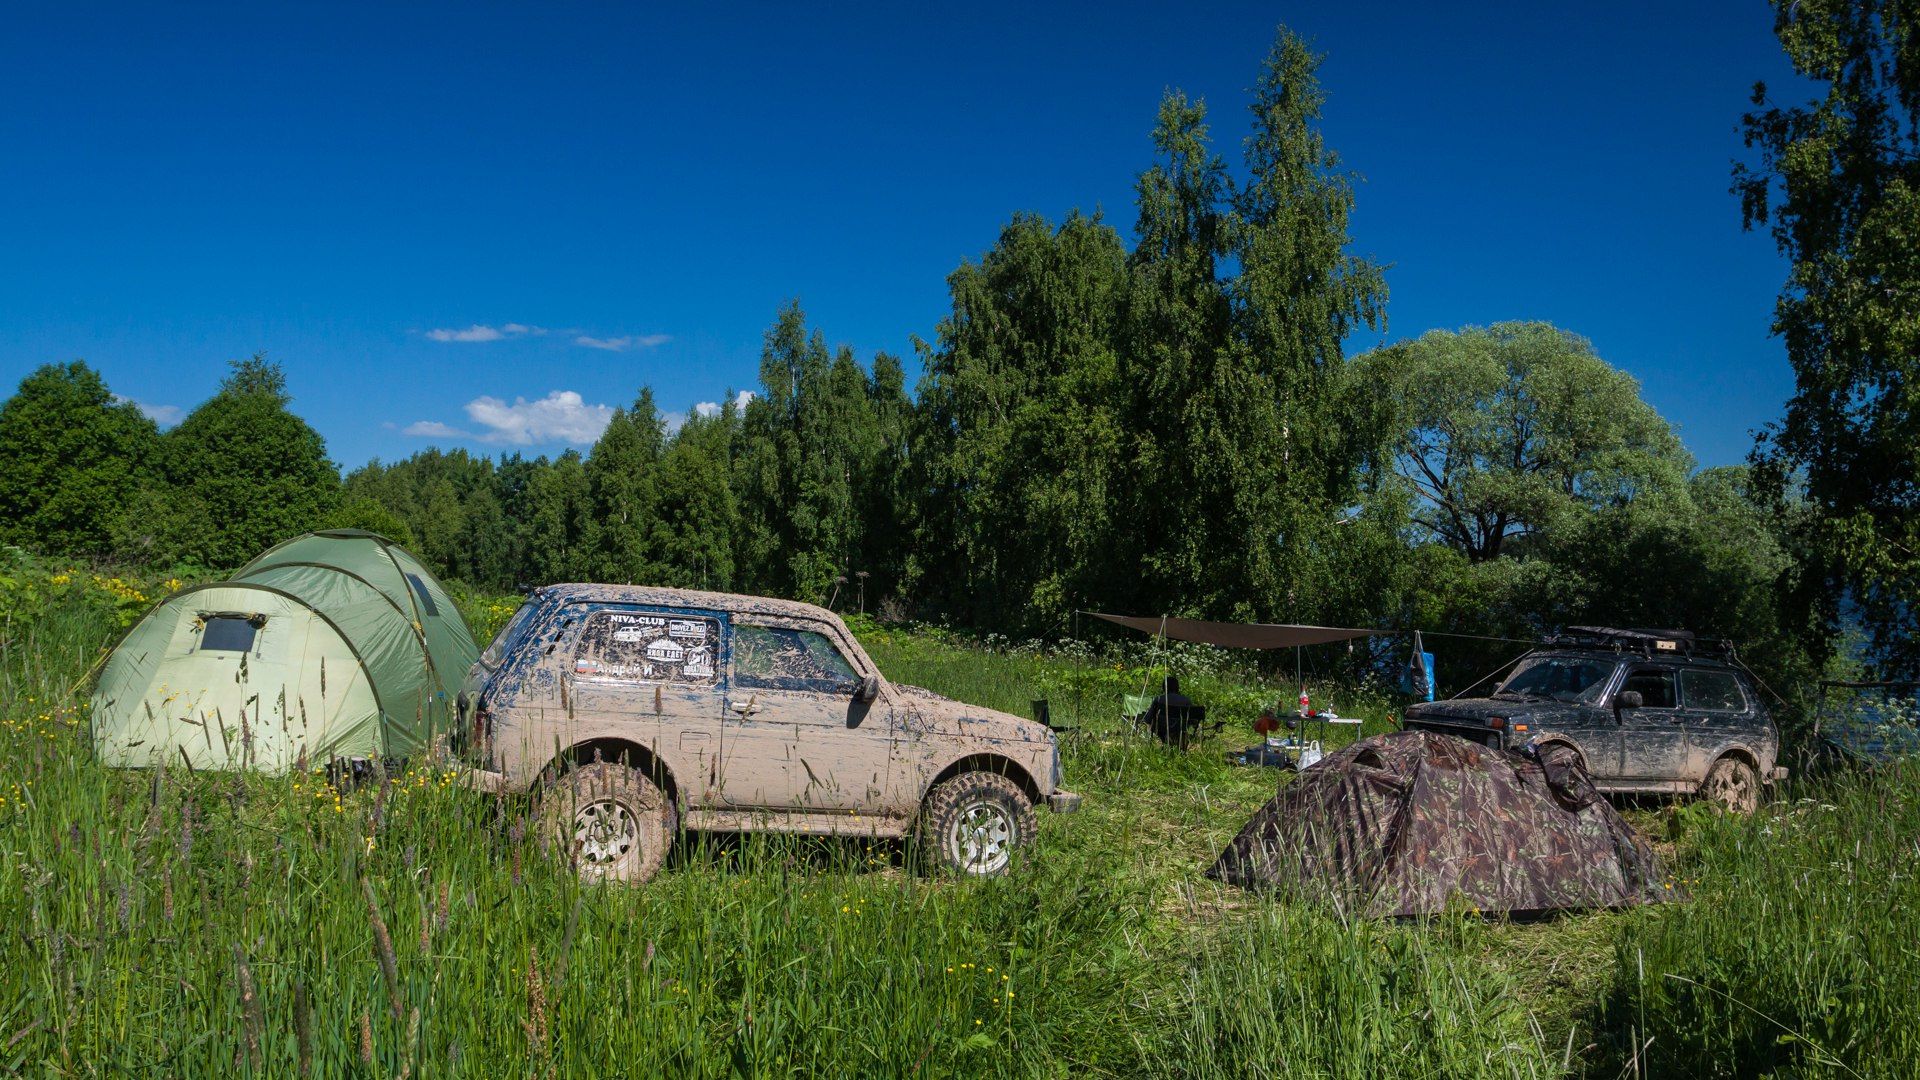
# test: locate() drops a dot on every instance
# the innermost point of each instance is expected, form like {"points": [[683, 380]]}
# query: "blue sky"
{"points": [[486, 225]]}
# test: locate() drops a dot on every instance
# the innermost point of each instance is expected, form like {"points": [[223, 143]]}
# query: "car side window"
{"points": [[783, 658], [1712, 691], [624, 646], [1655, 686]]}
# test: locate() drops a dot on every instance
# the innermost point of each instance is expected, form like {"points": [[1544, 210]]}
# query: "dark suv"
{"points": [[1647, 710]]}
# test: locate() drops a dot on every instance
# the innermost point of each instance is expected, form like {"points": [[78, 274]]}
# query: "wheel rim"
{"points": [[1733, 788], [604, 832], [981, 837]]}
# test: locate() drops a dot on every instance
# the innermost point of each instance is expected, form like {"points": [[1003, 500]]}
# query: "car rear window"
{"points": [[1712, 691], [653, 647]]}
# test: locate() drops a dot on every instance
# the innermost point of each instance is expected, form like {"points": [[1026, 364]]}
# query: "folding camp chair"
{"points": [[1180, 725]]}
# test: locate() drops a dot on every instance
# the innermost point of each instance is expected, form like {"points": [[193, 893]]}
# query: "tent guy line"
{"points": [[1264, 635]]}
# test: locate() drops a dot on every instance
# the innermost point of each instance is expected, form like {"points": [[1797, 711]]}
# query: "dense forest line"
{"points": [[1163, 425]]}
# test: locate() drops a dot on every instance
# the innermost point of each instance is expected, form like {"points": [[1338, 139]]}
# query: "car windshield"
{"points": [[1561, 678]]}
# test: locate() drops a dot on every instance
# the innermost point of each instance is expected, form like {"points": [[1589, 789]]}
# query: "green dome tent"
{"points": [[335, 644]]}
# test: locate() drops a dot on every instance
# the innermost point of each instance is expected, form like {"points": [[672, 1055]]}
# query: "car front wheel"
{"points": [[611, 821], [973, 822], [1733, 784]]}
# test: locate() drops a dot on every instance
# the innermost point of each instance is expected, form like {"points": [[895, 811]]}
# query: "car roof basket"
{"points": [[1648, 642]]}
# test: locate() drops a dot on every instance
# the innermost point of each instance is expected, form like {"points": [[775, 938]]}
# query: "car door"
{"points": [[1718, 715], [1653, 738], [798, 737], [652, 675]]}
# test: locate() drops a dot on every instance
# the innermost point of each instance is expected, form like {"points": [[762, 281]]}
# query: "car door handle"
{"points": [[745, 708]]}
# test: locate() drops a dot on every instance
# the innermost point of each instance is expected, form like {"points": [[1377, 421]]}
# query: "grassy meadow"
{"points": [[170, 924]]}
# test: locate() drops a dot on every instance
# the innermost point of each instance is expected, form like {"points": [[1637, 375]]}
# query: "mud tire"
{"points": [[609, 821], [1733, 784], [972, 824]]}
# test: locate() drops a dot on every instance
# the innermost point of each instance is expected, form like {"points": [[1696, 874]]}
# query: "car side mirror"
{"points": [[1627, 699], [869, 689]]}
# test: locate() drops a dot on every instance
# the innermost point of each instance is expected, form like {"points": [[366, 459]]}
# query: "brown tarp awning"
{"points": [[1238, 635]]}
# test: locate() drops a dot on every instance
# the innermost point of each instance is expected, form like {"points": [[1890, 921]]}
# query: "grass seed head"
{"points": [[383, 947], [302, 1028], [536, 1021]]}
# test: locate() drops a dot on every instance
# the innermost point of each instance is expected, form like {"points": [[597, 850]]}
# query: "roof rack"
{"points": [[1648, 642]]}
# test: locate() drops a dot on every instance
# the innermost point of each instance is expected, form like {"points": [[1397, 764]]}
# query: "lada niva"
{"points": [[630, 713], [1647, 710]]}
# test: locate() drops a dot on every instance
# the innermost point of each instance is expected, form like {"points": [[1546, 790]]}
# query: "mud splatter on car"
{"points": [[630, 713]]}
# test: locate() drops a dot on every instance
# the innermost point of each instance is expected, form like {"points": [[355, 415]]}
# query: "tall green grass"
{"points": [[171, 924], [1800, 957]]}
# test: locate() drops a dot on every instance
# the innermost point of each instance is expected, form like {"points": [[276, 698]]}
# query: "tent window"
{"points": [[228, 633], [420, 590]]}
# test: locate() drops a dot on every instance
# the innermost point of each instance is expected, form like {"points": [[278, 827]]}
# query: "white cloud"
{"points": [[164, 415], [561, 416], [478, 332], [434, 429], [471, 333], [712, 408], [623, 344]]}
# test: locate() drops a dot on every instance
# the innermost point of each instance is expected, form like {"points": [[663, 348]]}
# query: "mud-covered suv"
{"points": [[631, 712], [1647, 710]]}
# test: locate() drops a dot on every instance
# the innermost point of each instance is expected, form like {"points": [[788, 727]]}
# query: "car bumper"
{"points": [[487, 783], [1063, 802]]}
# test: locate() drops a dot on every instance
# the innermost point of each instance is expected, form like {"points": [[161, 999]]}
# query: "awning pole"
{"points": [[1160, 641]]}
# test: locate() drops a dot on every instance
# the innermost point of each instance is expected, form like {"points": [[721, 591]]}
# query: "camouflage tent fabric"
{"points": [[1409, 822]]}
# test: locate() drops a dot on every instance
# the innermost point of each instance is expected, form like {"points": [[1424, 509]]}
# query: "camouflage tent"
{"points": [[1411, 821]]}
